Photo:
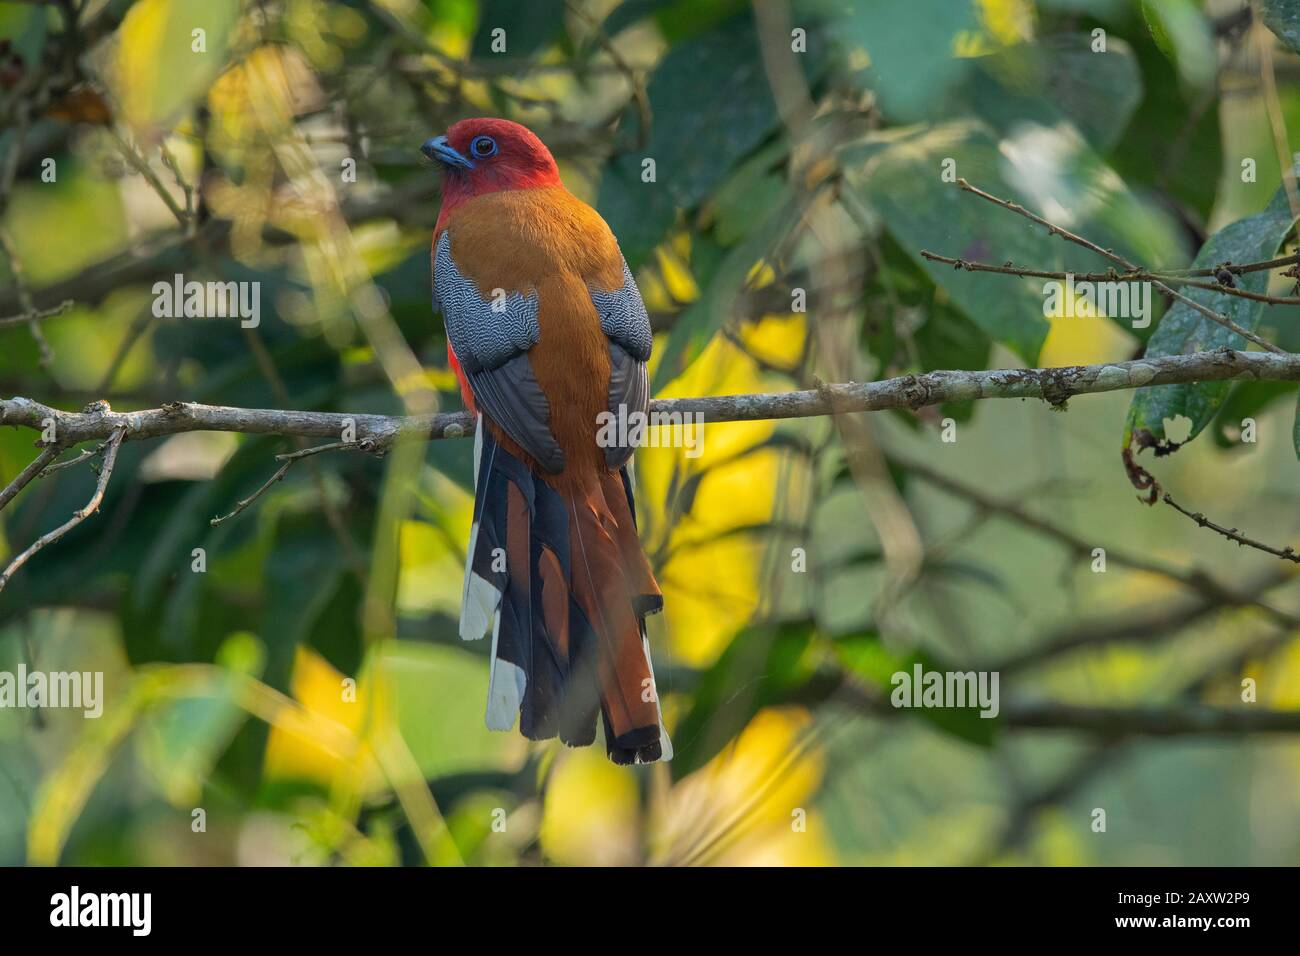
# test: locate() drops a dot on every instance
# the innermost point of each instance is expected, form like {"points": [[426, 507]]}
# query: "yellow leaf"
{"points": [[1084, 340], [320, 689], [753, 803], [590, 813], [168, 52]]}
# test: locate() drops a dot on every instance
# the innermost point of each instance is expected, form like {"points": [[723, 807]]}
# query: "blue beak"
{"points": [[438, 148]]}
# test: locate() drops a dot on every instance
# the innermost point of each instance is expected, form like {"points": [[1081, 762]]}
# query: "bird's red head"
{"points": [[488, 155]]}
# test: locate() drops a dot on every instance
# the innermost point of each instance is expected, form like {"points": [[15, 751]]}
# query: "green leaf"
{"points": [[866, 656], [1046, 168], [1183, 34], [639, 213], [336, 633], [1283, 18], [1056, 78], [911, 44], [1245, 400], [1184, 330], [751, 195], [168, 53], [179, 742], [438, 693], [1174, 146], [528, 26], [302, 574], [711, 107], [760, 666]]}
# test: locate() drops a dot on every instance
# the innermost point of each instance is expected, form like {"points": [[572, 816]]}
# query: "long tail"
{"points": [[563, 582]]}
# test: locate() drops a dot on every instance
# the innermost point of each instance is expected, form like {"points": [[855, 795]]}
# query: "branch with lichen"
{"points": [[1053, 385], [376, 434]]}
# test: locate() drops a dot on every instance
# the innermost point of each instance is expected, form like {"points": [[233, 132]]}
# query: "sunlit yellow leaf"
{"points": [[590, 813], [168, 53], [320, 689], [1007, 21], [710, 582], [261, 94], [1084, 340], [753, 803]]}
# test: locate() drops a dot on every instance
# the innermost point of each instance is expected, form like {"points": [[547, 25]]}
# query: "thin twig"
{"points": [[1287, 554], [10, 169], [333, 516], [156, 256], [317, 449], [1051, 227], [1141, 275], [1216, 317], [169, 160], [288, 460], [245, 502], [1107, 721], [138, 327], [141, 166], [639, 95], [1147, 623], [85, 455], [1262, 265], [110, 458], [1172, 721], [1025, 808], [24, 477], [36, 315]]}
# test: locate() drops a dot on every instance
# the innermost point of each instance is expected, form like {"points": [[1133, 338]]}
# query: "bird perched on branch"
{"points": [[546, 331]]}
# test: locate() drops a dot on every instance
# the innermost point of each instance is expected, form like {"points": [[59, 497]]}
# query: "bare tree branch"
{"points": [[1141, 275], [85, 455], [36, 315], [31, 313], [1053, 385], [1232, 534], [1110, 254], [110, 458], [1263, 265], [141, 166], [288, 462], [24, 477]]}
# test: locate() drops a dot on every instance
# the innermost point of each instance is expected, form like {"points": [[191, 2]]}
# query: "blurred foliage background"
{"points": [[307, 690]]}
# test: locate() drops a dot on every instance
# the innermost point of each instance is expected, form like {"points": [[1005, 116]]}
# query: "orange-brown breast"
{"points": [[550, 243]]}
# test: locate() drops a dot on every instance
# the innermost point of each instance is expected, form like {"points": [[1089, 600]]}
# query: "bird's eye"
{"points": [[483, 146]]}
